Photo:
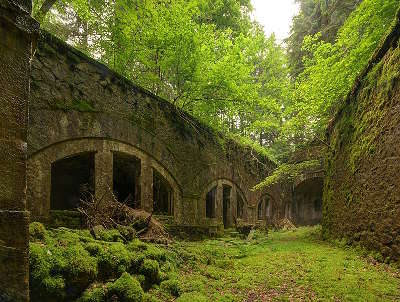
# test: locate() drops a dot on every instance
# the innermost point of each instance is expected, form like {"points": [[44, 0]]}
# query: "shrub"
{"points": [[151, 270], [192, 297], [126, 288], [171, 286], [37, 231]]}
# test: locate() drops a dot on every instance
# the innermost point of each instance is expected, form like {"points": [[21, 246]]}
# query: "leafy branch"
{"points": [[287, 172]]}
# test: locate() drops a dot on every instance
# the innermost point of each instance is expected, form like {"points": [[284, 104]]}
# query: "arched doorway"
{"points": [[264, 208], [162, 195], [307, 201], [224, 201], [211, 198], [126, 179], [71, 177]]}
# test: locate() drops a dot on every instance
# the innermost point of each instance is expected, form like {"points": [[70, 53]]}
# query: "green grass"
{"points": [[288, 266], [66, 265]]}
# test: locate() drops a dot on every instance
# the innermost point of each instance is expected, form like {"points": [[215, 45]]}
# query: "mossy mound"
{"points": [[126, 288], [71, 265]]}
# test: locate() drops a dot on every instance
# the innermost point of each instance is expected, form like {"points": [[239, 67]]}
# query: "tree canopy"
{"points": [[211, 59]]}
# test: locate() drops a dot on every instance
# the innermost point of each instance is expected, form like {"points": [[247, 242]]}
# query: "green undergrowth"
{"points": [[69, 265]]}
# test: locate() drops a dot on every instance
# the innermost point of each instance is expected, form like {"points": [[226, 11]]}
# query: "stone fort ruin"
{"points": [[89, 128]]}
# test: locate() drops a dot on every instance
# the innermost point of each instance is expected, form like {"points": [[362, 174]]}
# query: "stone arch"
{"points": [[219, 203], [265, 207], [307, 200], [104, 150]]}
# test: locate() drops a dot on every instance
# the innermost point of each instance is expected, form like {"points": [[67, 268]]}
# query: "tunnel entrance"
{"points": [[307, 198], [210, 203], [70, 178], [162, 195], [226, 199], [126, 179]]}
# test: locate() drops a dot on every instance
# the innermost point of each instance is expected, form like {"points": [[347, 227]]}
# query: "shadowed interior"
{"points": [[70, 178], [162, 195], [307, 198], [126, 179]]}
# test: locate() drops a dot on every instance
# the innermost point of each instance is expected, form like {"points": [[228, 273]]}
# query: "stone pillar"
{"points": [[219, 207], [233, 207], [17, 31], [146, 184], [103, 169]]}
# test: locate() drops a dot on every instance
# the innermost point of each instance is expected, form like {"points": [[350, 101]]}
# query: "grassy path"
{"points": [[288, 266]]}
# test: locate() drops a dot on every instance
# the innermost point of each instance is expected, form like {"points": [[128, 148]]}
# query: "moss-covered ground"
{"points": [[69, 265]]}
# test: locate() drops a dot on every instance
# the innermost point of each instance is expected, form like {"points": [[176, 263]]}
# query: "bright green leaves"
{"points": [[205, 56], [330, 69]]}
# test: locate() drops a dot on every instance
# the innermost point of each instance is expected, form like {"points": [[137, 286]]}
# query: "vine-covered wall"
{"points": [[362, 185]]}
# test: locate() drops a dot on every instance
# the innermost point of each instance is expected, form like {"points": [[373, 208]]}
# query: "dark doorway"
{"points": [[70, 178], [307, 198], [162, 195], [126, 179], [210, 203], [226, 199]]}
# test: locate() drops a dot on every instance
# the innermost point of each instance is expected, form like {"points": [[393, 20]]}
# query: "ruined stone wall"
{"points": [[17, 30], [362, 184], [80, 105]]}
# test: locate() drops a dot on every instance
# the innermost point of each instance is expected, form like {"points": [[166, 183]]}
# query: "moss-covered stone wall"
{"points": [[362, 184], [79, 105]]}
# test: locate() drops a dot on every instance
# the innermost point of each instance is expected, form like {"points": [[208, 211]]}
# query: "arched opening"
{"points": [[226, 205], [264, 208], [71, 177], [210, 202], [162, 195], [307, 198], [126, 179], [240, 207]]}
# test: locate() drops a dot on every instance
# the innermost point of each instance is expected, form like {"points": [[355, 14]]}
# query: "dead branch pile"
{"points": [[109, 213], [283, 224]]}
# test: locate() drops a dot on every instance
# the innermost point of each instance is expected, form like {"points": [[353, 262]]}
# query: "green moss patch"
{"points": [[70, 265]]}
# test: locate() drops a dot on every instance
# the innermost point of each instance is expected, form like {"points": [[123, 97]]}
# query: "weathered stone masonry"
{"points": [[362, 184], [17, 30], [89, 125], [80, 107]]}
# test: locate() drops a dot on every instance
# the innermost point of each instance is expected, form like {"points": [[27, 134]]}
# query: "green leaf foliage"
{"points": [[288, 172], [331, 68]]}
